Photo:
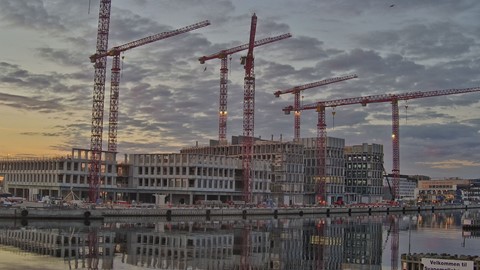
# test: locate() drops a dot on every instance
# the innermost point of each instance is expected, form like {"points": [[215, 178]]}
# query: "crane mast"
{"points": [[95, 159], [98, 100], [115, 73], [248, 112], [222, 55], [296, 91]]}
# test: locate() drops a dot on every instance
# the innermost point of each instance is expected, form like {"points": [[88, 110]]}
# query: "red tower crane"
{"points": [[98, 100], [249, 112], [115, 76], [296, 91], [222, 55], [393, 99], [97, 121]]}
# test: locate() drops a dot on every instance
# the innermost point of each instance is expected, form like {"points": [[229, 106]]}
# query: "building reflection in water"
{"points": [[347, 242]]}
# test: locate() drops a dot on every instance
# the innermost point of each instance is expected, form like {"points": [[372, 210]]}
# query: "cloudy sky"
{"points": [[168, 100]]}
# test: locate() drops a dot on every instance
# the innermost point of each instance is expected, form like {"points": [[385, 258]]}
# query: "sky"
{"points": [[168, 100]]}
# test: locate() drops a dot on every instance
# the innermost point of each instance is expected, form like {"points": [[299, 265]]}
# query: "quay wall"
{"points": [[169, 213]]}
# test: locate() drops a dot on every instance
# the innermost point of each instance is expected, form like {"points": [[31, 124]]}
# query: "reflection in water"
{"points": [[341, 242]]}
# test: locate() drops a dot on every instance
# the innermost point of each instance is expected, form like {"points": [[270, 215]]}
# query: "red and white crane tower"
{"points": [[223, 55], [98, 100], [115, 74], [249, 112], [296, 91]]}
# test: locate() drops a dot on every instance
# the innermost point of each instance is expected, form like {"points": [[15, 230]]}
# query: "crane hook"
{"points": [[406, 112], [333, 117], [121, 69]]}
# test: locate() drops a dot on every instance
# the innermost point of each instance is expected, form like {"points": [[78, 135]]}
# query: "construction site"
{"points": [[246, 171], [303, 171]]}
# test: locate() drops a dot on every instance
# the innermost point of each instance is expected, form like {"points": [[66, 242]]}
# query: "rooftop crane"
{"points": [[98, 100], [393, 99], [115, 76], [222, 55], [296, 91], [249, 112]]}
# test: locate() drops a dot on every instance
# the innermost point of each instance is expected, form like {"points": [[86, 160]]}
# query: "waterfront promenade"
{"points": [[215, 212]]}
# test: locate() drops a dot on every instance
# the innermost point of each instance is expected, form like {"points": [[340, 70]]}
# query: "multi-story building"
{"points": [[286, 159], [285, 173], [188, 178], [334, 169], [406, 187], [364, 173], [472, 194], [33, 178], [448, 190]]}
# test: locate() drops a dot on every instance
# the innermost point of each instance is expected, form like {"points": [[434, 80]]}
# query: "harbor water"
{"points": [[356, 241]]}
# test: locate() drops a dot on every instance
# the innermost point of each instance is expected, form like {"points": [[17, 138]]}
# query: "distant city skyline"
{"points": [[168, 100]]}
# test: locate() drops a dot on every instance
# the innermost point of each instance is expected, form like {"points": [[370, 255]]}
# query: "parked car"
{"points": [[6, 203]]}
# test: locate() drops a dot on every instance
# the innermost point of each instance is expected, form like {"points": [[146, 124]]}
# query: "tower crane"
{"points": [[98, 100], [393, 99], [222, 55], [249, 112], [115, 75], [97, 120], [296, 91]]}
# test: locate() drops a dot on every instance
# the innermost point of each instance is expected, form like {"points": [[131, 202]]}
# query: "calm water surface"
{"points": [[336, 242]]}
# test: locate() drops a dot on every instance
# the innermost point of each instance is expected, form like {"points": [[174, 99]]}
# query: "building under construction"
{"points": [[283, 173], [286, 165]]}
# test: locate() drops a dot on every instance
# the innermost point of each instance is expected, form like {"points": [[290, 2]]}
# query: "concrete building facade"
{"points": [[364, 173], [193, 178], [287, 165], [33, 178], [334, 169], [406, 187], [441, 191], [283, 173]]}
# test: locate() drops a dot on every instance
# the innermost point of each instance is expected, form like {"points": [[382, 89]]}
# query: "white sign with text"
{"points": [[442, 264]]}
